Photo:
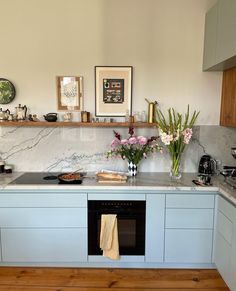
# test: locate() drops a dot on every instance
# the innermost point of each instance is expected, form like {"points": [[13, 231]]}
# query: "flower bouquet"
{"points": [[176, 132], [133, 149]]}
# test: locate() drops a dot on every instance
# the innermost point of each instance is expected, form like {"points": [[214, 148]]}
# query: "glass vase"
{"points": [[132, 168], [175, 171]]}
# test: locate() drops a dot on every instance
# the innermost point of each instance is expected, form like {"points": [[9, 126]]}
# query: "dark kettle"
{"points": [[207, 165], [50, 117]]}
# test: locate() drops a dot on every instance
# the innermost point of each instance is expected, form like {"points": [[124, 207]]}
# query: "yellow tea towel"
{"points": [[109, 236]]}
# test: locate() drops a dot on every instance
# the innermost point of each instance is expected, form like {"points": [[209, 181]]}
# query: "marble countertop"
{"points": [[143, 181]]}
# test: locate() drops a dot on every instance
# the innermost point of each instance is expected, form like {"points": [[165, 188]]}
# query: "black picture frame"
{"points": [[113, 90]]}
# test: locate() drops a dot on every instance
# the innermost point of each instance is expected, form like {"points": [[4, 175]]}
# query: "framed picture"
{"points": [[70, 93], [113, 90]]}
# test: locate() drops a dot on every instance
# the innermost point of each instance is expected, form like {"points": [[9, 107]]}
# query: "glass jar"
{"points": [[85, 116], [143, 116], [137, 116]]}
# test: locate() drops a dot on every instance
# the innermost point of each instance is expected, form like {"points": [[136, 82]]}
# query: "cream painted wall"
{"points": [[161, 39]]}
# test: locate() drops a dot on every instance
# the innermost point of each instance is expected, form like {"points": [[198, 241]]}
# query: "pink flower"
{"points": [[187, 133], [124, 142], [133, 146], [115, 143], [133, 140], [142, 140], [166, 138]]}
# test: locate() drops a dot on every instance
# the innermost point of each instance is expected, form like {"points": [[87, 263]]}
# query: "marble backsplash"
{"points": [[68, 148]]}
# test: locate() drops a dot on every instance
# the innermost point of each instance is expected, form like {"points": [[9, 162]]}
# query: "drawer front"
{"points": [[189, 218], [43, 217], [190, 201], [45, 199], [226, 208], [188, 246], [224, 227], [44, 245]]}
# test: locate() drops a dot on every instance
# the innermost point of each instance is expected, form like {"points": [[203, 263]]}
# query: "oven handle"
{"points": [[117, 211]]}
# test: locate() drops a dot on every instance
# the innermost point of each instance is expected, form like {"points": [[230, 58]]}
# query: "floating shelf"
{"points": [[74, 124]]}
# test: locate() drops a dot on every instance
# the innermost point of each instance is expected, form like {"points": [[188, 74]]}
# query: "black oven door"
{"points": [[131, 225]]}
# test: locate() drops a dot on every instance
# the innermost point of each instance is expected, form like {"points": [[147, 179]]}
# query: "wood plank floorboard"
{"points": [[29, 288], [76, 279]]}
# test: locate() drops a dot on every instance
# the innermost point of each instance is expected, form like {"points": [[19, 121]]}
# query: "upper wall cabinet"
{"points": [[226, 41], [228, 100], [220, 37], [209, 57]]}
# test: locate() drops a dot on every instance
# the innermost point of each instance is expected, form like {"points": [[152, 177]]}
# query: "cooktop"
{"points": [[34, 178]]}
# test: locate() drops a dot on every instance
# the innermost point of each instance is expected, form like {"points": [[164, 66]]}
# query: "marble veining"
{"points": [[26, 144], [69, 148]]}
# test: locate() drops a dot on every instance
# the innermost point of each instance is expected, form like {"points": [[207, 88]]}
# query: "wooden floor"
{"points": [[75, 279]]}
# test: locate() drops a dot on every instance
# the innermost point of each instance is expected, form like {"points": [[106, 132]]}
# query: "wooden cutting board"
{"points": [[111, 181]]}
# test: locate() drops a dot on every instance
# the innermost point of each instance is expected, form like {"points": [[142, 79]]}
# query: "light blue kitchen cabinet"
{"points": [[189, 224], [43, 217], [28, 245], [220, 36], [190, 201], [188, 246], [42, 199], [233, 255], [155, 217], [225, 242], [43, 227], [222, 257], [49, 227], [189, 218]]}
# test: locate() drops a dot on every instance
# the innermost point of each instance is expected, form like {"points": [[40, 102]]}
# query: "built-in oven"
{"points": [[130, 221]]}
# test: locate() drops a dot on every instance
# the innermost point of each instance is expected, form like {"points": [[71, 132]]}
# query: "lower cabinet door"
{"points": [[188, 246], [222, 257], [155, 217], [44, 245]]}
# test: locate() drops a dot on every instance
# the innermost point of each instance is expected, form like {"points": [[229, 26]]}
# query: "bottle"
{"points": [[151, 107], [143, 116], [127, 115], [136, 116]]}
